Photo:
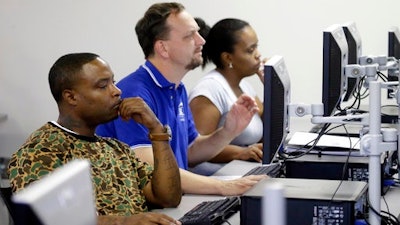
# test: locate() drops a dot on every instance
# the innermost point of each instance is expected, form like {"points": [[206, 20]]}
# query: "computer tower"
{"points": [[310, 201], [314, 166]]}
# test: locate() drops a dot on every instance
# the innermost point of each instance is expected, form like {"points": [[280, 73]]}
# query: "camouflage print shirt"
{"points": [[118, 176]]}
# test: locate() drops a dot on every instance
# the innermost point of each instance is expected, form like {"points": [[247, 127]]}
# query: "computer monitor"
{"points": [[354, 52], [276, 101], [335, 58], [63, 197], [394, 42], [393, 51]]}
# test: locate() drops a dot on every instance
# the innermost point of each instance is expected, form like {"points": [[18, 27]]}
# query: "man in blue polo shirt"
{"points": [[169, 37], [169, 104]]}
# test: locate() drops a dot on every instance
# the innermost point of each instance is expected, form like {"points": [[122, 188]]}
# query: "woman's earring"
{"points": [[230, 65]]}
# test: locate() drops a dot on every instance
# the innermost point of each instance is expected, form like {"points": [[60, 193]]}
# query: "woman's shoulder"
{"points": [[211, 80], [209, 85]]}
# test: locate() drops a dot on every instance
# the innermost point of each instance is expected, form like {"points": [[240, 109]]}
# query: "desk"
{"points": [[238, 168]]}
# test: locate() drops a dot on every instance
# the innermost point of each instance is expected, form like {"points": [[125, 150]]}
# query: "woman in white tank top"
{"points": [[231, 44]]}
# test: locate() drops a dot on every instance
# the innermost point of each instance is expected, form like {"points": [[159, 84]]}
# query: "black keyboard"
{"points": [[271, 170], [211, 212]]}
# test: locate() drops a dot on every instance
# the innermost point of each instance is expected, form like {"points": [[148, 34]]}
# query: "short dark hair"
{"points": [[152, 26], [63, 73], [222, 38]]}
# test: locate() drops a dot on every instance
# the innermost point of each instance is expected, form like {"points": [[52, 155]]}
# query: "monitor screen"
{"points": [[64, 196], [276, 101], [354, 51], [335, 58]]}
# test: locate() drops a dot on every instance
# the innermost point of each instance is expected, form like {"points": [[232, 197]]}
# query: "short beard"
{"points": [[194, 64]]}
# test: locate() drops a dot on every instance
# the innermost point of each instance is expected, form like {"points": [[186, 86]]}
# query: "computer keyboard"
{"points": [[211, 212], [271, 170]]}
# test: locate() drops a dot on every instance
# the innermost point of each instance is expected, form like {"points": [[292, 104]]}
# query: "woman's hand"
{"points": [[252, 153]]}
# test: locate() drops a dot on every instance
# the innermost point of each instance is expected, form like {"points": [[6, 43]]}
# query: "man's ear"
{"points": [[69, 96], [161, 48]]}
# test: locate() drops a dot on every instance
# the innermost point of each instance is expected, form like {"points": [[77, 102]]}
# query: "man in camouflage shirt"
{"points": [[83, 87]]}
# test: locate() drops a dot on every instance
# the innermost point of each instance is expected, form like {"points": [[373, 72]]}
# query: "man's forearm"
{"points": [[166, 182], [197, 184]]}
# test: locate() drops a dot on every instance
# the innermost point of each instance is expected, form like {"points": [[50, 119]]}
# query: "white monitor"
{"points": [[65, 196]]}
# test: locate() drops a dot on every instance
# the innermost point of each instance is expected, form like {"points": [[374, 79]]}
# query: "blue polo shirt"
{"points": [[169, 104]]}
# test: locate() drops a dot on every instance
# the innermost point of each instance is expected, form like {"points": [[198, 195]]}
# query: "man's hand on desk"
{"points": [[240, 185]]}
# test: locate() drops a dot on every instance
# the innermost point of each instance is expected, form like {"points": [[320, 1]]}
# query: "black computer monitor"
{"points": [[394, 42], [276, 101], [335, 58], [353, 39], [393, 51]]}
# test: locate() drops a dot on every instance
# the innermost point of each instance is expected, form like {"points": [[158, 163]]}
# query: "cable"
{"points": [[226, 221], [386, 217], [299, 151]]}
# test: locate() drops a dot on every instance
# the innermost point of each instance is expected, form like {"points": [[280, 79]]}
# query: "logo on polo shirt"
{"points": [[181, 114]]}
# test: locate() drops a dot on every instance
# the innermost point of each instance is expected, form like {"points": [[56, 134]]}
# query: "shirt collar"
{"points": [[73, 133], [156, 75]]}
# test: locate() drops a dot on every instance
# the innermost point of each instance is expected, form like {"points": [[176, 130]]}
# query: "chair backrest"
{"points": [[5, 194], [19, 214]]}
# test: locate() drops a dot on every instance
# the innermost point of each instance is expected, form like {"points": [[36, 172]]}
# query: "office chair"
{"points": [[6, 193], [19, 214]]}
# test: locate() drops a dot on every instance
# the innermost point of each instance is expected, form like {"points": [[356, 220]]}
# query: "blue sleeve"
{"points": [[129, 132]]}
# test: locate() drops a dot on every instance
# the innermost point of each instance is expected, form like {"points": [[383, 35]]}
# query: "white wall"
{"points": [[33, 34]]}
